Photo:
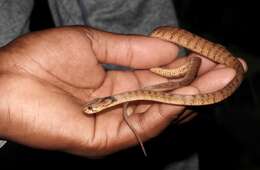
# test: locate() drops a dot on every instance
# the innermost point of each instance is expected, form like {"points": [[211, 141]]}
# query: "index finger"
{"points": [[135, 51]]}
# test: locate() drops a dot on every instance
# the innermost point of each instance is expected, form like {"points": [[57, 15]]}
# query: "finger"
{"points": [[157, 118], [131, 50], [152, 122], [147, 78], [214, 80], [244, 64], [207, 64]]}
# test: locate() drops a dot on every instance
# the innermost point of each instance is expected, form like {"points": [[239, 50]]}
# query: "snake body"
{"points": [[158, 93], [190, 41]]}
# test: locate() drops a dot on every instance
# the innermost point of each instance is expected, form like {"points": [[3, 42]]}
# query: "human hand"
{"points": [[47, 76]]}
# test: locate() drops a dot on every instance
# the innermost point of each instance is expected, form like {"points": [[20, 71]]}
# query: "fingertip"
{"points": [[244, 64]]}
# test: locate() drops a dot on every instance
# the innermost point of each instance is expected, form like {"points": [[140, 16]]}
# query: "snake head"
{"points": [[98, 105]]}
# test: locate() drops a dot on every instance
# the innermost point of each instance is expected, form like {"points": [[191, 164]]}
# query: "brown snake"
{"points": [[187, 72]]}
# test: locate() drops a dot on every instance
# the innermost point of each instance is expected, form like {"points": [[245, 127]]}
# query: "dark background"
{"points": [[225, 136]]}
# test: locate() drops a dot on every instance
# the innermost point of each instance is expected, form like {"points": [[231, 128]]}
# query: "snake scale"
{"points": [[213, 51]]}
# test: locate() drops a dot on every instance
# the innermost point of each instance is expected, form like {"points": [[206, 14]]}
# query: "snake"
{"points": [[186, 72]]}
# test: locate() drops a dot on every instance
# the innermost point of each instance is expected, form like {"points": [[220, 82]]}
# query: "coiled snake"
{"points": [[188, 71]]}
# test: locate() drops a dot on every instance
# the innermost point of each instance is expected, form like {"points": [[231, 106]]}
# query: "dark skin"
{"points": [[47, 76]]}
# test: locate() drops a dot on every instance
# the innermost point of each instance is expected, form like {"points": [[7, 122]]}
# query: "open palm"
{"points": [[47, 76]]}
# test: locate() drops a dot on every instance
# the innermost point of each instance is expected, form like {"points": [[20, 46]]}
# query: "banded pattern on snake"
{"points": [[215, 52]]}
